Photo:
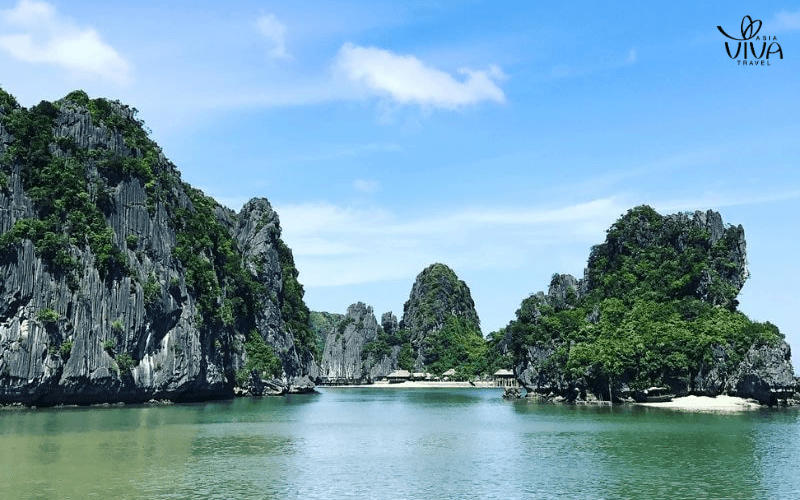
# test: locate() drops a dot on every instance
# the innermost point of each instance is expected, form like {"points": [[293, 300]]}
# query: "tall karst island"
{"points": [[438, 333], [656, 308], [120, 282]]}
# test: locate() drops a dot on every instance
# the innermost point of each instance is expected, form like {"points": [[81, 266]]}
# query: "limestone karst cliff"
{"points": [[349, 356], [656, 307], [439, 331], [120, 282], [440, 316]]}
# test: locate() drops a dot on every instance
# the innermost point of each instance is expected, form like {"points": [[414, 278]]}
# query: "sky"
{"points": [[500, 138]]}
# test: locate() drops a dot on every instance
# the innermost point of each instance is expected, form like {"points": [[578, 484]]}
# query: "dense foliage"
{"points": [[224, 290], [68, 198], [72, 187], [321, 323], [294, 311], [642, 323], [458, 345], [661, 258], [261, 359]]}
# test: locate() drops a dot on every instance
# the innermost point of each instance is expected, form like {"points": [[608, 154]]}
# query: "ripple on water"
{"points": [[362, 443]]}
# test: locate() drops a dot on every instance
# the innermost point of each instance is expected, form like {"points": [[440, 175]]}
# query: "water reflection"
{"points": [[395, 443]]}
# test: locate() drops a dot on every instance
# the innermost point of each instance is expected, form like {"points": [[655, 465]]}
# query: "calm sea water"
{"points": [[396, 443]]}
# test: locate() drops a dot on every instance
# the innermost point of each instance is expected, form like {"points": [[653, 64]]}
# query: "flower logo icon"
{"points": [[748, 31]]}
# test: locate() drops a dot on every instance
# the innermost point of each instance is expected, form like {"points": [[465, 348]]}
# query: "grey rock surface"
{"points": [[101, 340], [765, 374], [436, 295], [344, 360]]}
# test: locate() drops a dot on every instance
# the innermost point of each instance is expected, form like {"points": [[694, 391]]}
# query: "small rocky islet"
{"points": [[122, 283]]}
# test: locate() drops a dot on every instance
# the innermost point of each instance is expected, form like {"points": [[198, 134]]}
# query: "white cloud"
{"points": [[33, 32], [785, 21], [347, 151], [367, 185], [274, 31], [407, 80], [336, 245], [716, 200]]}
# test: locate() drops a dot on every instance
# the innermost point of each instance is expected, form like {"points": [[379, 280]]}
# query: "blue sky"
{"points": [[499, 138]]}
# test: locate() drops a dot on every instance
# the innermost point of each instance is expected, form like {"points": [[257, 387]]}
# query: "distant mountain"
{"points": [[351, 354], [656, 307], [442, 324], [120, 282], [439, 331]]}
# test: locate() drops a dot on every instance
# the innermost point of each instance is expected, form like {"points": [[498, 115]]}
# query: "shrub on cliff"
{"points": [[661, 294]]}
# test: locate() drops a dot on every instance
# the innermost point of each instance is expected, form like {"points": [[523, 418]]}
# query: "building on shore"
{"points": [[398, 376], [505, 378]]}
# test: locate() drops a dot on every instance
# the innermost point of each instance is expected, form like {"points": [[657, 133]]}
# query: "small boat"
{"points": [[658, 395]]}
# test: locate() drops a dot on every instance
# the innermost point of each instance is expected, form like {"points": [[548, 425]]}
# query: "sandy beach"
{"points": [[705, 403], [687, 403], [418, 384]]}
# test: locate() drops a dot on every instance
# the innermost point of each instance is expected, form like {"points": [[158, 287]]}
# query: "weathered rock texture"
{"points": [[132, 319], [723, 249], [347, 358], [714, 270], [436, 296], [536, 370]]}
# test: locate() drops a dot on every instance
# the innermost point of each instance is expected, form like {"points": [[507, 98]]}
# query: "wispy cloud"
{"points": [[367, 185], [407, 80], [336, 245], [348, 151], [34, 32], [572, 70], [631, 56], [785, 21], [275, 32], [716, 200]]}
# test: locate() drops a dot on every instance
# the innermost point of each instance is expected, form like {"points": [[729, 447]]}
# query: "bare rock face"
{"points": [[341, 361], [119, 282], [389, 323], [690, 264], [348, 358], [721, 265], [765, 374]]}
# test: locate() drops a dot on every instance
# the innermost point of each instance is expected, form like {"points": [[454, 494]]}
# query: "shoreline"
{"points": [[417, 384], [707, 403]]}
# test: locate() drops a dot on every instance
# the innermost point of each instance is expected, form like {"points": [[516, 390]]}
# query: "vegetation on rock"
{"points": [[261, 359], [293, 309], [92, 195], [660, 296], [442, 324]]}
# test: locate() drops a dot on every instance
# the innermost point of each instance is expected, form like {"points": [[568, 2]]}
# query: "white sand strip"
{"points": [[705, 403], [412, 385]]}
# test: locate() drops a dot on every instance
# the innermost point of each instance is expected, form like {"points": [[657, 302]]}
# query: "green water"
{"points": [[395, 443]]}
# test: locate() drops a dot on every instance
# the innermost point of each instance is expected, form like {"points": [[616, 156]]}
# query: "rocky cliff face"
{"points": [[119, 282], [711, 255], [436, 297], [657, 306], [347, 358]]}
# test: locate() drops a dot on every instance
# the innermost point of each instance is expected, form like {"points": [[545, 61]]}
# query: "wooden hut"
{"points": [[398, 376], [505, 378]]}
